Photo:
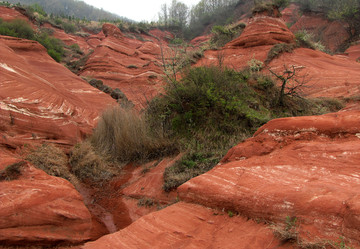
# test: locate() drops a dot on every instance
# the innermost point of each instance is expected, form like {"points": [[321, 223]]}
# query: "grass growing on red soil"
{"points": [[50, 159], [121, 136], [212, 109]]}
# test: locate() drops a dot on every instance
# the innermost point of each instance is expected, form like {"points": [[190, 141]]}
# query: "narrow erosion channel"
{"points": [[104, 202]]}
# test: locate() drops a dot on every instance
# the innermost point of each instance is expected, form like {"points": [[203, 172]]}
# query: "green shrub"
{"points": [[16, 28], [222, 35], [255, 65], [212, 109], [76, 48], [204, 96], [191, 165], [278, 49], [69, 28], [207, 112], [54, 46], [306, 40], [132, 67], [21, 29]]}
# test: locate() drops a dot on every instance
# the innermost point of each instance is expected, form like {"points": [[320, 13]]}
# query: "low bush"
{"points": [[212, 109], [278, 49], [54, 46], [69, 28], [88, 165], [50, 159], [191, 165], [207, 112], [223, 34], [12, 172], [16, 28], [306, 40], [21, 29]]}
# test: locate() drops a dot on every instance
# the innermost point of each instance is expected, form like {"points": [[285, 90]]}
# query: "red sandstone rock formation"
{"points": [[186, 225], [354, 52], [290, 14], [39, 209], [42, 100], [9, 14], [332, 34], [263, 30], [131, 65], [327, 76], [303, 167]]}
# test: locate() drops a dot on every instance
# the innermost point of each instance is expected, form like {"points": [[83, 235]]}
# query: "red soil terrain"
{"points": [[41, 99], [131, 65], [332, 34], [300, 171], [305, 167], [40, 208], [326, 76], [9, 14]]}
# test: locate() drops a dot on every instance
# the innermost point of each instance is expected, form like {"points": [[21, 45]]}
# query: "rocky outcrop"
{"points": [[304, 168], [42, 100], [354, 52], [332, 34], [37, 208], [263, 30], [111, 30], [186, 225], [325, 75], [9, 14], [131, 65]]}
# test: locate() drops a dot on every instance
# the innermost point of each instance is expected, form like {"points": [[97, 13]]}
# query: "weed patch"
{"points": [[212, 109], [88, 165], [278, 49], [123, 136], [50, 159], [12, 172], [191, 165]]}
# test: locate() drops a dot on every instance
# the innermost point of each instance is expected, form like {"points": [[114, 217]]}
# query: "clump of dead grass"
{"points": [[86, 164], [12, 171], [123, 136], [50, 159]]}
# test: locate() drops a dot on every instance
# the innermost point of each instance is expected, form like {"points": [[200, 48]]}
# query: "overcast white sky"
{"points": [[137, 10]]}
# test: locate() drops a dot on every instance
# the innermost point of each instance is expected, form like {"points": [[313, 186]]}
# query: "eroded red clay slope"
{"points": [[42, 100]]}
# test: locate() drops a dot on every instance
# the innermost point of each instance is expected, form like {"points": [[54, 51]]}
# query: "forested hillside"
{"points": [[78, 9]]}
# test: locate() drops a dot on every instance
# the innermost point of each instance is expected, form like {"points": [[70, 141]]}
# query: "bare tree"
{"points": [[292, 84], [163, 15]]}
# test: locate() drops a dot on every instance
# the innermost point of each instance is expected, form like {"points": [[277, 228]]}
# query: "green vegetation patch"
{"points": [[278, 49], [191, 165], [21, 29], [224, 34], [212, 109]]}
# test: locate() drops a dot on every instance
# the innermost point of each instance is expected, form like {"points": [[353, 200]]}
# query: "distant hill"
{"points": [[74, 8]]}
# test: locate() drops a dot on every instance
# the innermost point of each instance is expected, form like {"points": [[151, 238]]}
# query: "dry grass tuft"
{"points": [[123, 136], [50, 159], [86, 164], [12, 172]]}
